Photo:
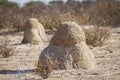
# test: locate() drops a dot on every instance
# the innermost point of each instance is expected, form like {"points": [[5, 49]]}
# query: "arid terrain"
{"points": [[27, 23], [21, 65]]}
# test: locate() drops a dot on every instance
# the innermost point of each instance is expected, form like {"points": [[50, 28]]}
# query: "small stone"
{"points": [[95, 73]]}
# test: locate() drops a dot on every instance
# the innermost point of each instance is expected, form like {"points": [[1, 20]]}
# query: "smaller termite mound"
{"points": [[34, 32], [68, 48]]}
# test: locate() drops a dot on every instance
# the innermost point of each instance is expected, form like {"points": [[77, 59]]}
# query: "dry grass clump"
{"points": [[97, 36], [52, 22], [5, 50], [97, 12], [45, 70]]}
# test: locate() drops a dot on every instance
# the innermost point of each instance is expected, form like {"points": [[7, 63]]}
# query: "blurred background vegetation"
{"points": [[88, 12]]}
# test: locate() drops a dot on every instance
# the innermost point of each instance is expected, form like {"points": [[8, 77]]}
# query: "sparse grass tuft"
{"points": [[5, 50], [45, 70], [97, 36]]}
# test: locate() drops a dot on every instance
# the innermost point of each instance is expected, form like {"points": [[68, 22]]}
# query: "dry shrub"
{"points": [[96, 36], [5, 50], [52, 22], [45, 70], [92, 12], [104, 12]]}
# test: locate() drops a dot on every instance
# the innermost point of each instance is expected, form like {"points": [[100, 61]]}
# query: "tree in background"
{"points": [[8, 3]]}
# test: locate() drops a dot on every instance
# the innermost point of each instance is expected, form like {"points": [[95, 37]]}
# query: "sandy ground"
{"points": [[20, 66]]}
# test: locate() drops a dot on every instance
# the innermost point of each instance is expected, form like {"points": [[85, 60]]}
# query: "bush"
{"points": [[52, 22], [92, 12], [105, 13], [45, 70], [96, 36], [8, 3], [5, 50]]}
